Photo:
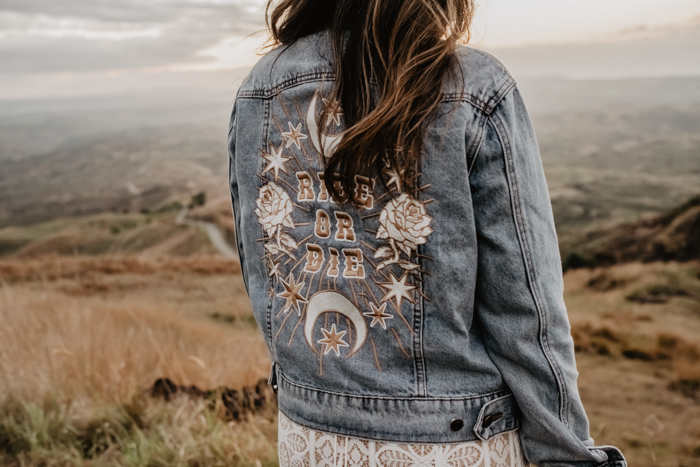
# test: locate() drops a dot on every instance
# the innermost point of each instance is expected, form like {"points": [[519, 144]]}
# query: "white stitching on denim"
{"points": [[268, 311], [481, 124], [303, 387], [485, 106], [423, 379], [479, 138]]}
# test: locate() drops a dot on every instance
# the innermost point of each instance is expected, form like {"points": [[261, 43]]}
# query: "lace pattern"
{"points": [[300, 446]]}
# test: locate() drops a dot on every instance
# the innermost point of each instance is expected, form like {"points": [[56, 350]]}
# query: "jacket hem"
{"points": [[399, 419]]}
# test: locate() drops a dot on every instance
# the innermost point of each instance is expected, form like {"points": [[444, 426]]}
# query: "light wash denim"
{"points": [[430, 318]]}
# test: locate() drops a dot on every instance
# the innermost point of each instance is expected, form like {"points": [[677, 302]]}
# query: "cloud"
{"points": [[665, 51], [644, 31], [101, 35], [132, 11], [79, 47]]}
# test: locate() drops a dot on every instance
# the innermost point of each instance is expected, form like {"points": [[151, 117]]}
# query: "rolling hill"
{"points": [[674, 236]]}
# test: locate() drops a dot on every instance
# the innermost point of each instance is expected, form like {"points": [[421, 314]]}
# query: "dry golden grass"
{"points": [[181, 433], [637, 333], [51, 341], [53, 267], [84, 338]]}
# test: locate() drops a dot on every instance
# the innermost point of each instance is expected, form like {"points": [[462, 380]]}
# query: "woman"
{"points": [[398, 247]]}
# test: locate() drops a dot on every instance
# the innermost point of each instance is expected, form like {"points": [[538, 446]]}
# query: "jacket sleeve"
{"points": [[233, 187], [519, 297]]}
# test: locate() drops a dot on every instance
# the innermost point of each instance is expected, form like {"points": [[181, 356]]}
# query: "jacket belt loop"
{"points": [[496, 417]]}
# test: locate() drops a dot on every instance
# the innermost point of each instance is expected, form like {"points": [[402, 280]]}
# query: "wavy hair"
{"points": [[404, 48]]}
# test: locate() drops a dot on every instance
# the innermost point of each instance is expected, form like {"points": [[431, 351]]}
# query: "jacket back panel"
{"points": [[376, 300]]}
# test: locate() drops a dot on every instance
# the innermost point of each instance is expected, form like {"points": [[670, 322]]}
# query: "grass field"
{"points": [[84, 338], [637, 333]]}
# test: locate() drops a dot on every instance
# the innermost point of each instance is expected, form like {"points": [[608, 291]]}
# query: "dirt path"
{"points": [[213, 232]]}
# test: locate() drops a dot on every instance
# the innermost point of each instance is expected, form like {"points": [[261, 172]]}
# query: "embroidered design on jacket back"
{"points": [[357, 270]]}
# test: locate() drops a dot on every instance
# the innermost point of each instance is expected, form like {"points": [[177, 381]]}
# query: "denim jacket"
{"points": [[428, 317]]}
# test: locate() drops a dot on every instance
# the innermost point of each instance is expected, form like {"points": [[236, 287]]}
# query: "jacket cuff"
{"points": [[610, 457], [614, 456]]}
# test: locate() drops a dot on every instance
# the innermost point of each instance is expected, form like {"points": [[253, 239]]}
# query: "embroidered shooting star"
{"points": [[393, 177], [294, 135], [276, 161], [398, 289], [326, 144], [335, 112], [274, 270], [332, 340], [378, 315], [292, 293]]}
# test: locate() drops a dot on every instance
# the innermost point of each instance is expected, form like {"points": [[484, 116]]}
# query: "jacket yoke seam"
{"points": [[527, 258], [289, 83], [501, 93], [498, 96], [485, 106]]}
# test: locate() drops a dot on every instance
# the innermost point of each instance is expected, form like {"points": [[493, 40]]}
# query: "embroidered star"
{"points": [[292, 294], [276, 161], [294, 135], [332, 340], [274, 270], [394, 178], [398, 289], [335, 113], [378, 315]]}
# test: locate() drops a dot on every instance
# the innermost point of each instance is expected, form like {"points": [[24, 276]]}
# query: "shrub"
{"points": [[577, 261], [658, 293]]}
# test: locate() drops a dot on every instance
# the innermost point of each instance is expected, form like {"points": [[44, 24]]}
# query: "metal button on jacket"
{"points": [[489, 419], [456, 424]]}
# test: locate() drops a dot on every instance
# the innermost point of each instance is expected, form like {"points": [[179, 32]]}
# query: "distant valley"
{"points": [[613, 151]]}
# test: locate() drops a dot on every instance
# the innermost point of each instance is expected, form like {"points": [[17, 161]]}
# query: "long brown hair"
{"points": [[405, 48]]}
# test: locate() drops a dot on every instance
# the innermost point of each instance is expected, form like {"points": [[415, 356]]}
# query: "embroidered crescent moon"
{"points": [[329, 302], [327, 142]]}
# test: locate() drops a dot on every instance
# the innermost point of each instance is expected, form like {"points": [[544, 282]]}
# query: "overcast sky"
{"points": [[71, 47]]}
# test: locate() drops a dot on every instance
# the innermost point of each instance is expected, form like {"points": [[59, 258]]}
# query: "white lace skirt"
{"points": [[304, 447]]}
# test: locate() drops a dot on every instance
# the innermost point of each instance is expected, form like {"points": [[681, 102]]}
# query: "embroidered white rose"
{"points": [[406, 224], [274, 210]]}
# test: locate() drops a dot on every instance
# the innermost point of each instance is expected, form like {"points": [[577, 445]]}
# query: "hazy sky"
{"points": [[66, 47], [524, 22]]}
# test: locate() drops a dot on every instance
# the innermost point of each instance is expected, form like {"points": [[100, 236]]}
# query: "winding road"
{"points": [[212, 231]]}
